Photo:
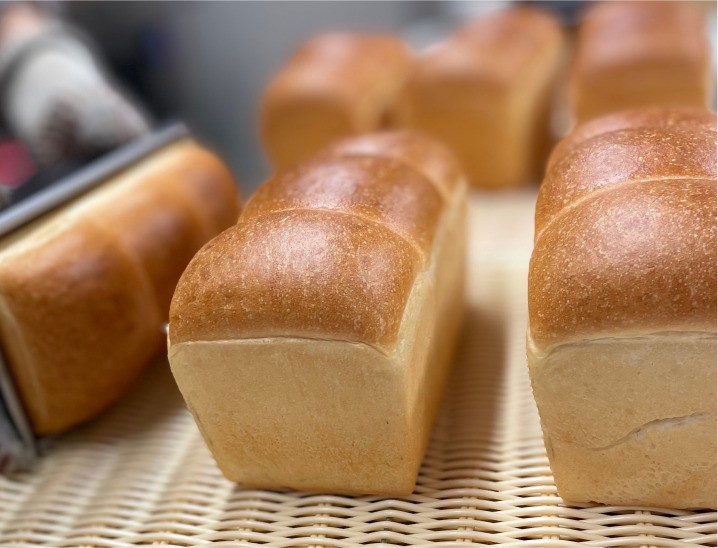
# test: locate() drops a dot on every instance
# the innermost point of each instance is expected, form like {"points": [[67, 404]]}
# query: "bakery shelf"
{"points": [[142, 475]]}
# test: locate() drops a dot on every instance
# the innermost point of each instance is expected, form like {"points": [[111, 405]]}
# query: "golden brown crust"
{"points": [[530, 32], [163, 240], [207, 186], [624, 33], [485, 92], [79, 320], [297, 273], [84, 293], [633, 54], [624, 156], [649, 117], [327, 250], [180, 199], [426, 155], [638, 258], [335, 85], [381, 190], [333, 58], [494, 51]]}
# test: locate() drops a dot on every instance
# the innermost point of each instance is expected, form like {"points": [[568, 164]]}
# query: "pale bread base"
{"points": [[630, 420]]}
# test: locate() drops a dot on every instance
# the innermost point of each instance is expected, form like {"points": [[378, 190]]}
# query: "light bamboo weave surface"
{"points": [[142, 475]]}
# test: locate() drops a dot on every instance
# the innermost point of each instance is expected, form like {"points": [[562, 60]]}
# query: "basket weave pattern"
{"points": [[142, 475]]}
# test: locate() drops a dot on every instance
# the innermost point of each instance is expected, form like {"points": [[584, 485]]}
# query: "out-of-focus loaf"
{"points": [[638, 54], [335, 85], [486, 93], [312, 340], [622, 314], [85, 291]]}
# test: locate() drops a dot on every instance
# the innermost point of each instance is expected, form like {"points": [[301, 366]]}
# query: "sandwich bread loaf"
{"points": [[312, 340], [335, 85], [85, 291], [486, 93], [622, 312], [638, 54]]}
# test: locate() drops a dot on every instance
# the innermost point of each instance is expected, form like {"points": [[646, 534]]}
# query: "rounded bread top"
{"points": [[621, 35], [495, 51], [633, 118], [626, 233], [623, 157], [380, 190], [428, 156], [641, 258], [339, 67], [328, 250]]}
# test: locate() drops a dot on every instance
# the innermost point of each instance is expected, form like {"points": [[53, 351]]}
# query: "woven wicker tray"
{"points": [[142, 475]]}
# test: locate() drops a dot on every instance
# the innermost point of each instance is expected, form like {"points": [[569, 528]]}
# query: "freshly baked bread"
{"points": [[312, 340], [84, 291], [486, 92], [335, 85], [622, 315], [637, 54]]}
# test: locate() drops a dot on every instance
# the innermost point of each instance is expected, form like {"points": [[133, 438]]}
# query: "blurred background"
{"points": [[207, 63]]}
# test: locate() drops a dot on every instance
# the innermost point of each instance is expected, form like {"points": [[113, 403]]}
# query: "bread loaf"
{"points": [[486, 93], [84, 291], [312, 340], [335, 85], [637, 54], [622, 314]]}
